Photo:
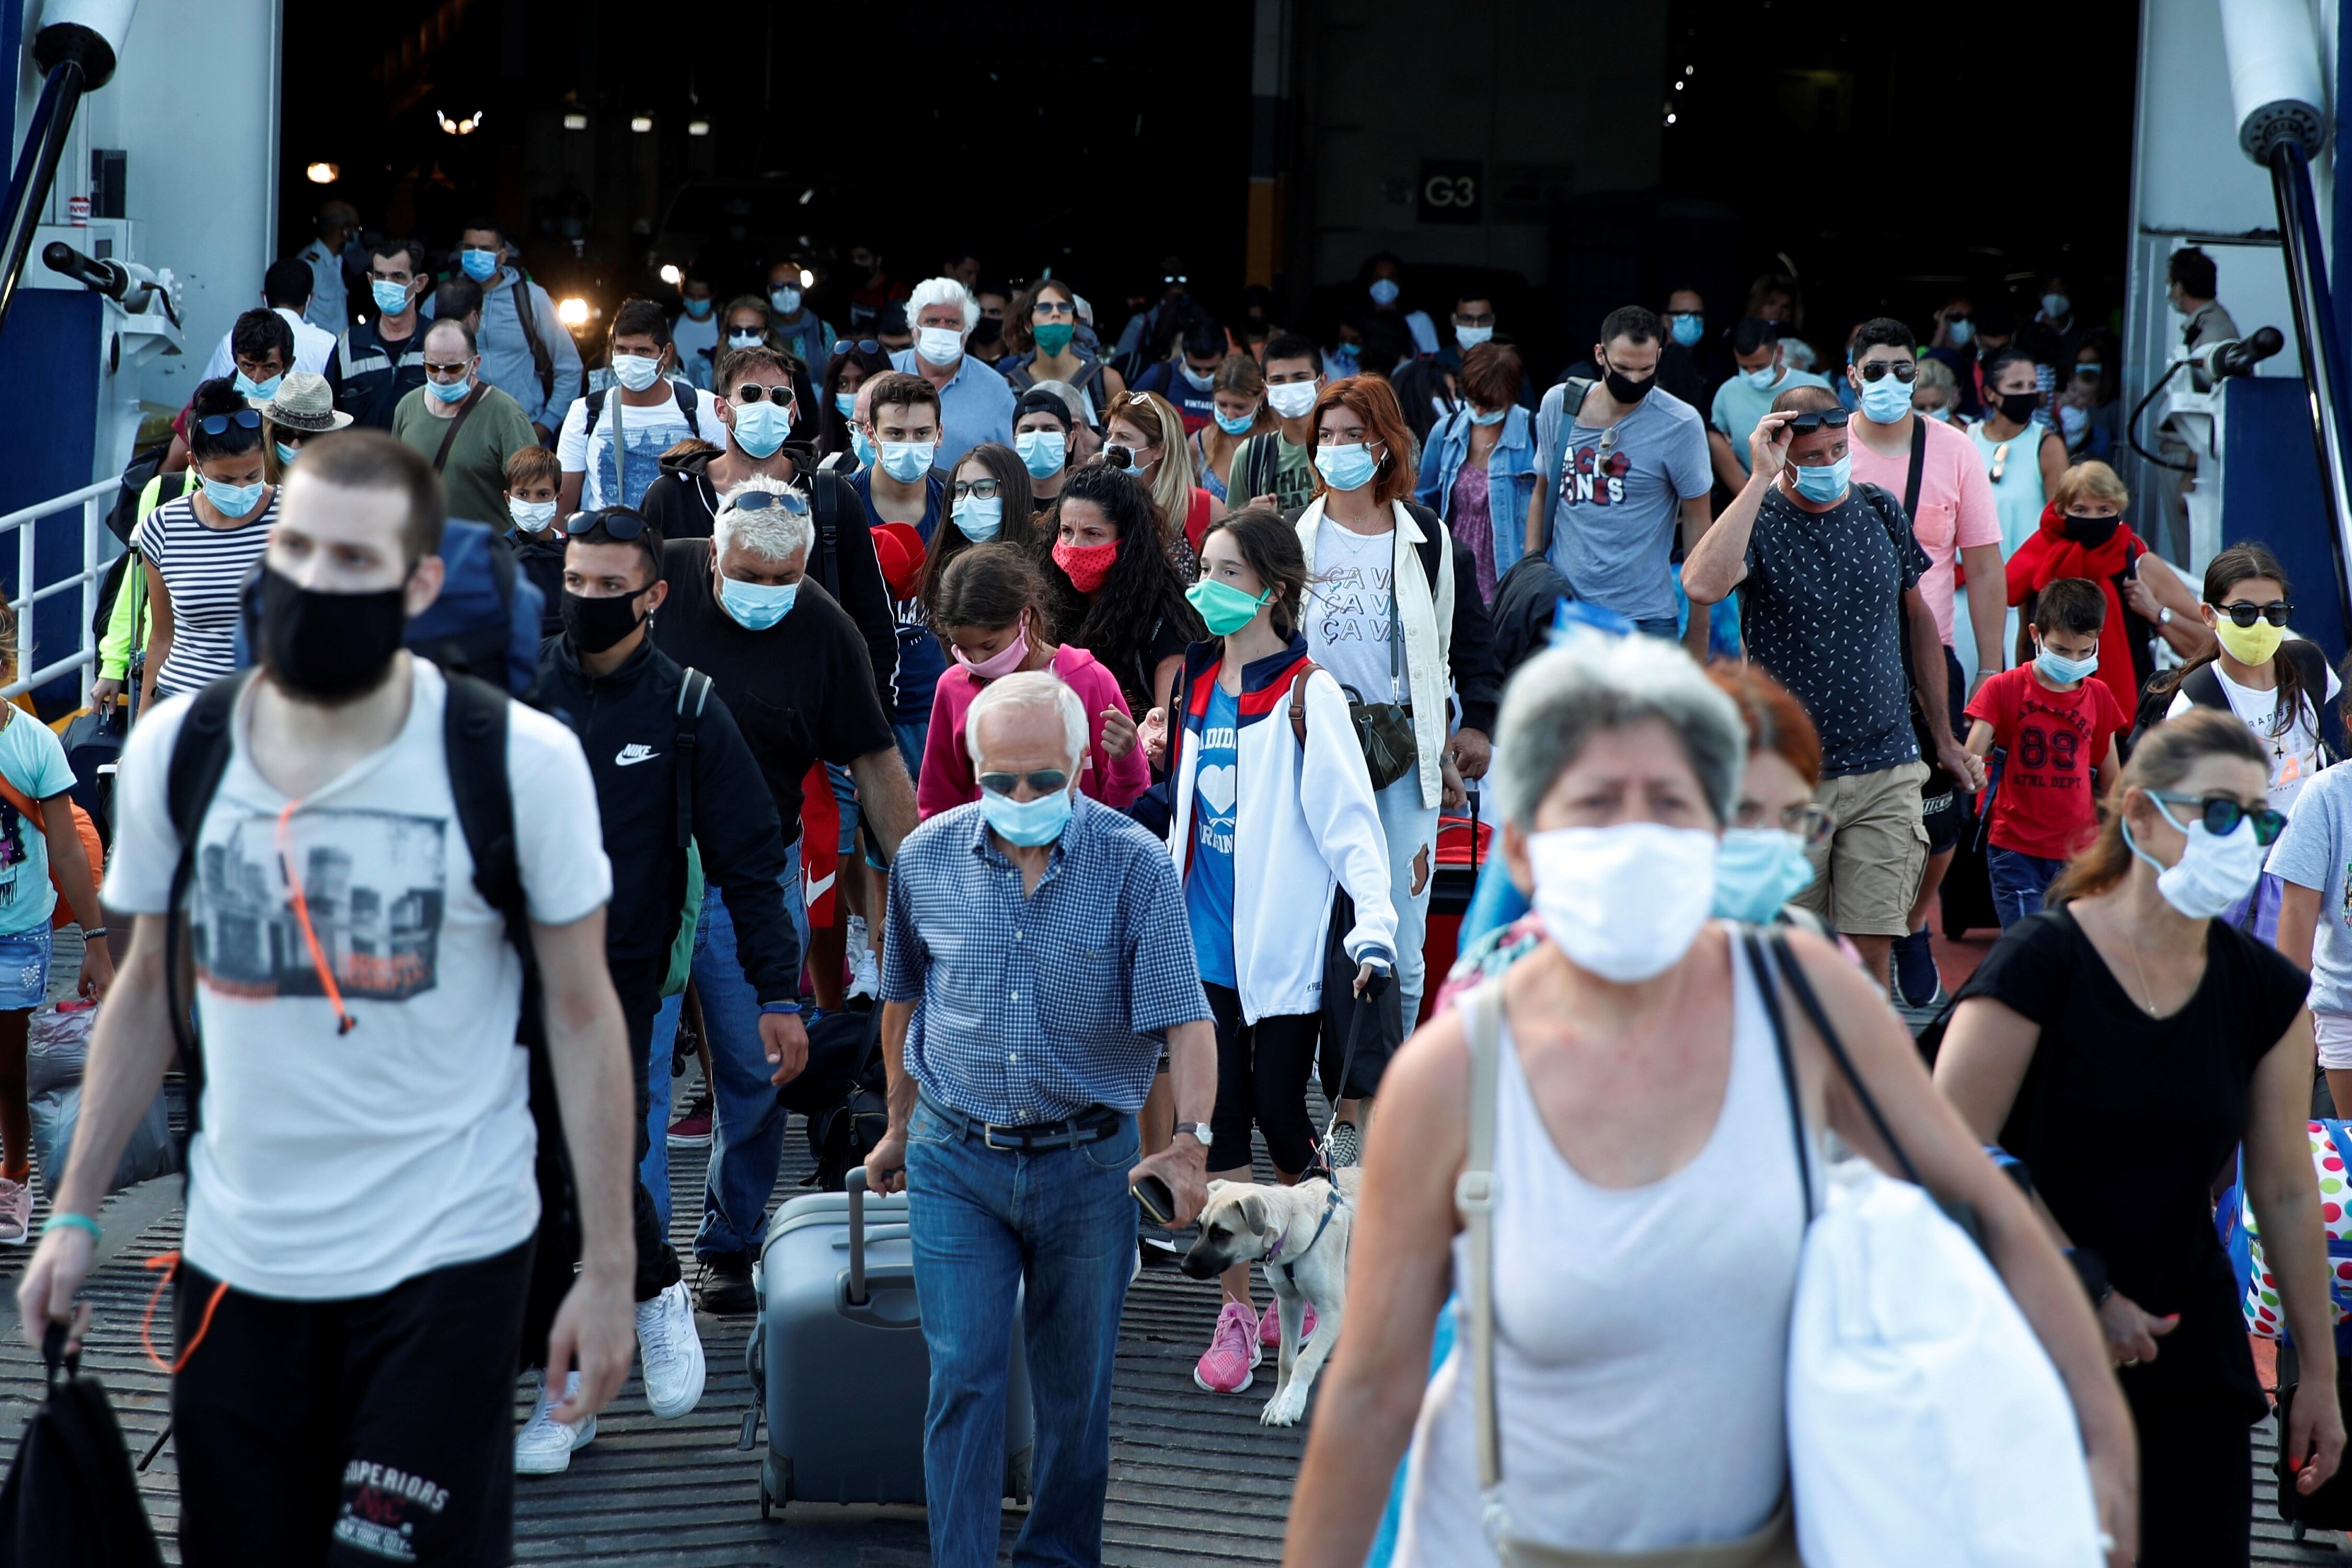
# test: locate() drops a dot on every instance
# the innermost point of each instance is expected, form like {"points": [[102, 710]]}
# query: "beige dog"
{"points": [[1299, 1237]]}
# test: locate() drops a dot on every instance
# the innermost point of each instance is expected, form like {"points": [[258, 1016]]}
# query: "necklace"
{"points": [[2147, 992]]}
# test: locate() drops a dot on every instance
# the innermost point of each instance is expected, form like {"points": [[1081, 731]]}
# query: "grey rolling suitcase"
{"points": [[837, 1358]]}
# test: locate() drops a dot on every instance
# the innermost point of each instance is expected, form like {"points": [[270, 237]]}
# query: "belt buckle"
{"points": [[988, 1130]]}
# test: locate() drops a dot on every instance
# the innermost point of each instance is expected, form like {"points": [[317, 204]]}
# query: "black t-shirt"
{"points": [[801, 692], [1822, 610], [2123, 1120]]}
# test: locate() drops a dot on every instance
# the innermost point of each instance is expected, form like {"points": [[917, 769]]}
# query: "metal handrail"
{"points": [[2314, 331], [93, 499]]}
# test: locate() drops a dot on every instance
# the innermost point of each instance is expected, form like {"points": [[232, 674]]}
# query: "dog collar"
{"points": [[1273, 1253]]}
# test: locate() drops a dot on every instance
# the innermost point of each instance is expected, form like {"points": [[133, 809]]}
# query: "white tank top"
{"points": [[1641, 1334]]}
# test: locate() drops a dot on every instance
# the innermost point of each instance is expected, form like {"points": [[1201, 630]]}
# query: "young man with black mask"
{"points": [[669, 763], [360, 1193]]}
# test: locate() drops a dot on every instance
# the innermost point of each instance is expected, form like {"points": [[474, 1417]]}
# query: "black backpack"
{"points": [[70, 1501], [2202, 686]]}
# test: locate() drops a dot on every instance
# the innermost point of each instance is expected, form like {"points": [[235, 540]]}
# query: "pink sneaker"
{"points": [[1232, 1350], [1269, 1328], [16, 1213]]}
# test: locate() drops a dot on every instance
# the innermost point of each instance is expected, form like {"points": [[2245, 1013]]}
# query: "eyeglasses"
{"points": [[1808, 821], [2245, 614], [780, 395], [981, 489], [1475, 318], [250, 419], [1045, 781], [2221, 813], [1815, 419], [447, 370], [761, 500], [1905, 371]]}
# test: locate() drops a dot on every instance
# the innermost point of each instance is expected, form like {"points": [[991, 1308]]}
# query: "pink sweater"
{"points": [[948, 780]]}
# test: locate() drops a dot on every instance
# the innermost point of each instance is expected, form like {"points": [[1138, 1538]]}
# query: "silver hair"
{"points": [[1030, 688], [772, 532], [1070, 396], [942, 291], [1591, 681]]}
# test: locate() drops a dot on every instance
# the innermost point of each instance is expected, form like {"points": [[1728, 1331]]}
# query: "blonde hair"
{"points": [[2092, 480], [1172, 486]]}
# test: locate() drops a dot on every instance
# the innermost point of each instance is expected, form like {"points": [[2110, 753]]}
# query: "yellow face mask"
{"points": [[2249, 645]]}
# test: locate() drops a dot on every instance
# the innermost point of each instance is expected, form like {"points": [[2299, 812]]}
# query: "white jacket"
{"points": [[1427, 609], [1302, 823]]}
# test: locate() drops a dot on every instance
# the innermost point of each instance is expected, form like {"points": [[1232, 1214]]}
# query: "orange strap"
{"points": [[344, 1022], [168, 1263]]}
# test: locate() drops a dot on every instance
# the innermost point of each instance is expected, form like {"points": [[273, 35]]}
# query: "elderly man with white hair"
{"points": [[975, 404], [1037, 954], [792, 669]]}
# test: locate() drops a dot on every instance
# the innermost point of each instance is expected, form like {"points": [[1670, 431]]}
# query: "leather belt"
{"points": [[1089, 1126]]}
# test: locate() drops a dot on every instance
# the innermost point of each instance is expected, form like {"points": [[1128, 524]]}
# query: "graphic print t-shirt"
{"points": [[332, 1165], [2294, 753], [1349, 610], [646, 434], [1209, 880], [2045, 804]]}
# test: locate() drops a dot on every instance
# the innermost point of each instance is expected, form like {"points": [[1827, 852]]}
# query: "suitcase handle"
{"points": [[855, 1184]]}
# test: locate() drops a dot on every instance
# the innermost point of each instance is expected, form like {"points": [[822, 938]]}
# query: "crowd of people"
{"points": [[1087, 707]]}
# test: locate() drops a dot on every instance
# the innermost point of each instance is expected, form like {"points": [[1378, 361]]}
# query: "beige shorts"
{"points": [[1867, 874]]}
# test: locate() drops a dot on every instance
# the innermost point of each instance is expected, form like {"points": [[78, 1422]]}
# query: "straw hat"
{"points": [[304, 403]]}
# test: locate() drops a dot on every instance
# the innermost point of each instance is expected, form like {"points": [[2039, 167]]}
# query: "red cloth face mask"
{"points": [[1087, 564]]}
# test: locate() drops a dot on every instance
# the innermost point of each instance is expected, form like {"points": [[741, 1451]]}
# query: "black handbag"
{"points": [[70, 1501], [1384, 729], [1360, 1033], [2329, 1508]]}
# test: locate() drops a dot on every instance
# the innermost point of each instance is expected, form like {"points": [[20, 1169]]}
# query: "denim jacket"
{"points": [[1510, 476]]}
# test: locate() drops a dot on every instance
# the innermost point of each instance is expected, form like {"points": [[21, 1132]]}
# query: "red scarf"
{"points": [[2063, 557]]}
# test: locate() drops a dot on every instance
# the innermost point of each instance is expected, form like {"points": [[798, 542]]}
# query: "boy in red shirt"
{"points": [[2058, 725]]}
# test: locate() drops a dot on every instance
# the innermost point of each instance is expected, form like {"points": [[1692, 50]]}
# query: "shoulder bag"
{"points": [[457, 423], [1384, 729]]}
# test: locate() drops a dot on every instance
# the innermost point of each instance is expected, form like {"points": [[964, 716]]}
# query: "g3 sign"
{"points": [[1453, 190]]}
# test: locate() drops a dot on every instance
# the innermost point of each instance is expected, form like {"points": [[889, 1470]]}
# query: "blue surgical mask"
{"points": [[761, 428], [286, 454], [1240, 426], [787, 302], [1492, 416], [756, 606], [449, 391], [2055, 305], [698, 310], [1940, 416], [2092, 369], [2063, 671], [1346, 468], [390, 299], [1885, 401], [1757, 870], [480, 266], [858, 444], [1384, 291], [981, 520], [1825, 483], [1762, 378], [1028, 822], [1044, 453], [845, 404], [1687, 327], [906, 461], [1345, 358], [265, 390], [233, 500], [1960, 333]]}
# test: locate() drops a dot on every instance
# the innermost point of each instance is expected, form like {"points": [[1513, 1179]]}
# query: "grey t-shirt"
{"points": [[1612, 497], [2316, 851]]}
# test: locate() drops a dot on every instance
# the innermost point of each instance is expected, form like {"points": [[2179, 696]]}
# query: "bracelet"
{"points": [[790, 1007], [90, 931], [62, 1220]]}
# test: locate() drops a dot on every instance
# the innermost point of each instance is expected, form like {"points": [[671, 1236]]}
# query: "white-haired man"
{"points": [[975, 404], [791, 667], [1037, 955]]}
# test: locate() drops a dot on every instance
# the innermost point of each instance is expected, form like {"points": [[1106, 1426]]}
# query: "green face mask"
{"points": [[1225, 609], [1052, 337]]}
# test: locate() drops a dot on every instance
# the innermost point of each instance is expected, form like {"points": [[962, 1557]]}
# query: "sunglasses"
{"points": [[780, 395], [1815, 419], [1045, 781], [1054, 307], [2245, 614], [623, 523], [985, 490], [761, 500], [863, 345], [459, 369], [250, 419], [2220, 815], [1905, 371]]}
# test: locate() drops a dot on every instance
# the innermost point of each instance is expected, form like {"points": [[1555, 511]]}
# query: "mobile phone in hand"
{"points": [[1158, 1201]]}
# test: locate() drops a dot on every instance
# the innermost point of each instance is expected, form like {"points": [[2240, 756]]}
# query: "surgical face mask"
{"points": [[1029, 823], [1198, 380], [1043, 452], [845, 404], [1885, 400], [1052, 337], [697, 309], [1492, 416], [390, 299], [2055, 305], [981, 520], [761, 428], [1240, 426], [1762, 377], [635, 372], [1384, 291], [2092, 369], [1586, 894], [1825, 483], [287, 454], [2253, 645], [480, 266], [1940, 416], [859, 445], [450, 391], [1291, 399], [2065, 671], [2211, 873], [532, 516], [1687, 326], [938, 345], [2073, 422], [329, 648], [1960, 333], [756, 606], [750, 339], [1225, 609], [1757, 870], [1471, 337], [233, 500], [1346, 358], [1004, 661], [787, 300], [1346, 468], [906, 461], [265, 390]]}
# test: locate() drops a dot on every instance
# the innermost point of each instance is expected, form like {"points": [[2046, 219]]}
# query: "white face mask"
{"points": [[1292, 399], [532, 516], [1583, 876], [635, 372], [939, 345], [2211, 873]]}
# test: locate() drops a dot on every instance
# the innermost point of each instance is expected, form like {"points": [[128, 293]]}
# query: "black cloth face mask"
{"points": [[2017, 407], [2092, 531], [1625, 388], [596, 625], [329, 648]]}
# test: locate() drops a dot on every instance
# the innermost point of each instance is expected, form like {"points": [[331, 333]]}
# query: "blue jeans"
{"points": [[653, 1169], [2018, 881], [911, 739], [747, 1115], [981, 1221], [1410, 829]]}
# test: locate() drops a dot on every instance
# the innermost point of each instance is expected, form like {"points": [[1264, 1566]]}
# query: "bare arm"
{"points": [[2053, 461], [1725, 462], [70, 863], [1932, 679], [1697, 514], [2284, 1195], [1979, 741], [159, 633], [1718, 563], [1192, 1075], [2298, 923], [567, 493], [2187, 632], [1163, 679], [1986, 605], [885, 1164], [1536, 522], [886, 797]]}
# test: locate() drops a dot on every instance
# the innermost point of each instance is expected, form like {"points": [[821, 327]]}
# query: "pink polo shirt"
{"points": [[947, 778], [1955, 512]]}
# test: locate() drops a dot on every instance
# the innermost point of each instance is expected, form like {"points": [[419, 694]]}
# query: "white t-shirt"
{"points": [[332, 1166], [1349, 610], [646, 434], [313, 347], [2295, 756]]}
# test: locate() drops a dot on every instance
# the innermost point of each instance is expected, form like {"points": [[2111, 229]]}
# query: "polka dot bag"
{"points": [[2234, 1216]]}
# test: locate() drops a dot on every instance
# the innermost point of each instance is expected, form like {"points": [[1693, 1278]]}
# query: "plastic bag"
{"points": [[56, 1049]]}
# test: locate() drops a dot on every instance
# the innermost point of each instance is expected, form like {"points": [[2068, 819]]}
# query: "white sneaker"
{"points": [[669, 1352], [545, 1446], [865, 973]]}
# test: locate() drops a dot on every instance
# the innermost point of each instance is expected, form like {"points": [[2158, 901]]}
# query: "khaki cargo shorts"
{"points": [[1867, 874]]}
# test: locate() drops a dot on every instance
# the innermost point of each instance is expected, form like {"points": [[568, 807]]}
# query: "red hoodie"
{"points": [[947, 778]]}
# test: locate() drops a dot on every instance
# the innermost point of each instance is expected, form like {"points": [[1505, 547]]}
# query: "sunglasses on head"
{"points": [[1045, 781], [780, 395], [2221, 813], [2245, 614], [1815, 419], [250, 419], [1905, 371], [761, 500], [863, 345], [623, 523]]}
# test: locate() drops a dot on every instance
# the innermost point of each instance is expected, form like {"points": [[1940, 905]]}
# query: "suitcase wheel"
{"points": [[767, 1503], [782, 1493], [1016, 1476]]}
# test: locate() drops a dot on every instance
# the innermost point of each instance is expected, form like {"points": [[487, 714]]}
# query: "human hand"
{"points": [[1452, 793], [1471, 751], [1961, 764], [2132, 1334], [105, 692], [2114, 1492], [784, 1039], [1263, 500], [1767, 455], [595, 1333], [1118, 733], [1184, 1166], [2315, 1438], [1152, 736], [46, 1294], [1371, 979], [97, 970], [886, 1165], [2138, 599]]}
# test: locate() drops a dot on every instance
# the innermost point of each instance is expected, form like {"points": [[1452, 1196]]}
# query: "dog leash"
{"points": [[1322, 1153], [1331, 1205]]}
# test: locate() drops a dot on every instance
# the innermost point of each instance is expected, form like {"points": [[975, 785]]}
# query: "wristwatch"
{"points": [[2164, 615], [1199, 1130]]}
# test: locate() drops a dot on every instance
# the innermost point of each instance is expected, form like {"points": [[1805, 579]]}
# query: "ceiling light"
{"points": [[671, 275], [808, 278], [698, 128], [324, 174], [572, 312], [641, 123], [575, 122], [465, 127], [1670, 120]]}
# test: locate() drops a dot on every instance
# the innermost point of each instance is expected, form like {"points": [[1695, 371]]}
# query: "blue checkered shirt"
{"points": [[1032, 1009]]}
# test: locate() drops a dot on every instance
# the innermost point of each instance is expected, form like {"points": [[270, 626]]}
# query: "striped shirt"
{"points": [[202, 570]]}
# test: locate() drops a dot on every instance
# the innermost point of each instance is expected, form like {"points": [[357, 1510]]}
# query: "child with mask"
{"points": [[2058, 728], [532, 476]]}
